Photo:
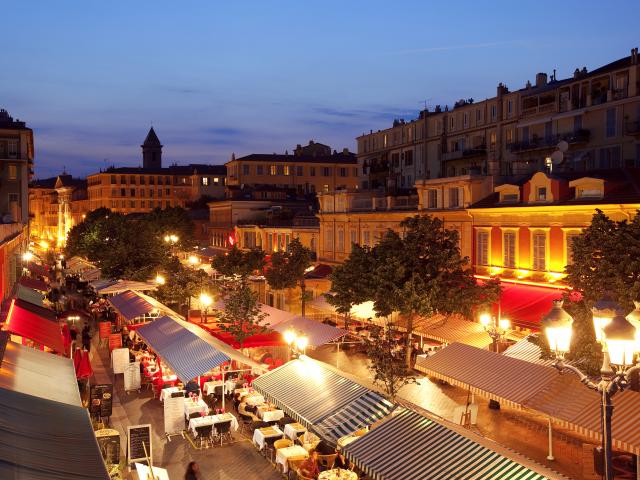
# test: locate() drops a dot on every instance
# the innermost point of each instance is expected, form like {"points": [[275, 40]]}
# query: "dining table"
{"points": [[261, 434], [197, 406], [254, 399], [269, 414], [295, 452], [166, 392], [337, 474], [294, 430], [212, 420]]}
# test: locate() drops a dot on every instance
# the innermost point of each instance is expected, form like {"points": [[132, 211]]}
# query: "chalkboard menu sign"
{"points": [[105, 329], [115, 341], [100, 400], [138, 438], [109, 443]]}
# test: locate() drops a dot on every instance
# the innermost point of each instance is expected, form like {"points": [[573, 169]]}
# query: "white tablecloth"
{"points": [[166, 392], [212, 420], [270, 415], [190, 407], [209, 388], [338, 474], [294, 430], [284, 454], [260, 434], [254, 399]]}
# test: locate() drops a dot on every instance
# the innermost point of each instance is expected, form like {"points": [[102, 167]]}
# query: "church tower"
{"points": [[151, 151]]}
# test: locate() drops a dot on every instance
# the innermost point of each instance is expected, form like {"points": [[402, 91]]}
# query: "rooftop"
{"points": [[335, 158], [191, 169], [7, 121]]}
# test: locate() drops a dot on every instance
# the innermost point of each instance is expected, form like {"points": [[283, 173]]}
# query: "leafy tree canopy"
{"points": [[239, 263], [288, 268], [387, 363]]}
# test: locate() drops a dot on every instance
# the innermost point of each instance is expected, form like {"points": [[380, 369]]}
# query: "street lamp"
{"points": [[160, 280], [27, 256], [496, 329], [297, 342], [618, 336], [205, 303]]}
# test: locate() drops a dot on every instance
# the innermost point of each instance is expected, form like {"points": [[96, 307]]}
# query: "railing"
{"points": [[469, 152], [579, 136]]}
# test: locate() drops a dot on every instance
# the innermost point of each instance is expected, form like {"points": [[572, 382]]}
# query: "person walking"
{"points": [[86, 337], [193, 472]]}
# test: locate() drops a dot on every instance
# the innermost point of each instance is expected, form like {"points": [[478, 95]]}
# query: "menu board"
{"points": [[119, 359], [132, 376], [115, 341], [109, 443], [105, 329], [138, 438], [174, 414], [101, 400]]}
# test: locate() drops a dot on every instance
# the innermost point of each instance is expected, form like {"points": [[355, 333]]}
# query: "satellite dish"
{"points": [[563, 146], [557, 157]]}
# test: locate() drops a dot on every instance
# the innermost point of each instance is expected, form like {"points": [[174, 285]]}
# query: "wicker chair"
{"points": [[325, 462], [282, 443], [294, 466]]}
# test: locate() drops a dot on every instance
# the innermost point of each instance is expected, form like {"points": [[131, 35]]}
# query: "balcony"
{"points": [[572, 138], [480, 150]]}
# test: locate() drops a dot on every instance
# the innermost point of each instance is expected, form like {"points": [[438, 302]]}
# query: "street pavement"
{"points": [[519, 431]]}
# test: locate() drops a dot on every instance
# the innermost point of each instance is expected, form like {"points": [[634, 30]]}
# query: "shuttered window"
{"points": [[483, 248], [509, 242], [539, 251]]}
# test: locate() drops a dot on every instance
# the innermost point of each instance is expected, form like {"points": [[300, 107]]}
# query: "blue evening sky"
{"points": [[217, 77]]}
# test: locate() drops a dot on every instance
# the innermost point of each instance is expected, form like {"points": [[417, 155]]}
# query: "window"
{"points": [[273, 170], [340, 245], [465, 120], [452, 122], [113, 179], [312, 171], [509, 136], [478, 115], [152, 180], [454, 197], [142, 180], [245, 169], [483, 247], [541, 194], [168, 191], [141, 192], [432, 198], [355, 171], [509, 107], [353, 236], [205, 181], [385, 140], [510, 197], [114, 192], [492, 140], [328, 240], [539, 251], [159, 192], [408, 158], [590, 193], [123, 192], [133, 192], [13, 149], [132, 180], [494, 112], [300, 170], [325, 188], [216, 180], [151, 194], [132, 203], [343, 172], [114, 204], [326, 171], [287, 170], [13, 172], [280, 170], [260, 170], [611, 122], [509, 249], [366, 238], [570, 238]]}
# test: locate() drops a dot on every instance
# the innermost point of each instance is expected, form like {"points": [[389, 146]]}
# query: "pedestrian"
{"points": [[86, 337], [193, 472]]}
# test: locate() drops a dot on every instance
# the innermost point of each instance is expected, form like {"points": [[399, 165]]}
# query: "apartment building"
{"points": [[591, 119], [55, 205], [309, 169]]}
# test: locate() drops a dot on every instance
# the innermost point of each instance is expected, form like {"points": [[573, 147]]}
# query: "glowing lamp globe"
{"points": [[302, 343], [504, 324], [485, 319], [603, 311], [289, 336], [558, 328], [620, 339]]}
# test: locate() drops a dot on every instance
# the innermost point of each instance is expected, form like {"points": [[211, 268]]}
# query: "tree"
{"points": [[241, 316], [288, 269], [351, 282], [388, 365], [239, 263], [172, 221], [418, 274], [182, 283]]}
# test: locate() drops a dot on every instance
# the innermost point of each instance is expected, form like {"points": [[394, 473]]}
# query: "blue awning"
{"points": [[317, 333], [362, 412], [130, 305], [308, 390], [410, 446], [185, 350]]}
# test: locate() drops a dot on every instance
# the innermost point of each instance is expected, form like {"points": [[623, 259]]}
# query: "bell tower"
{"points": [[151, 151]]}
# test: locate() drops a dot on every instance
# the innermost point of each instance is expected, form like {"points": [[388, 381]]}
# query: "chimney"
{"points": [[528, 85], [634, 56], [345, 151], [541, 79], [576, 73]]}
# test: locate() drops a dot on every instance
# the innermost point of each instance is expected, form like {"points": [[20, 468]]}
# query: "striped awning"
{"points": [[35, 323], [527, 351], [124, 285], [317, 333], [308, 390], [410, 446], [362, 412], [448, 329], [98, 284], [500, 378], [132, 305], [30, 295], [183, 350]]}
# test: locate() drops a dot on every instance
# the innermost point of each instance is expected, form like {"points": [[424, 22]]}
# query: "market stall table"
{"points": [[166, 392], [338, 474], [209, 388], [191, 406], [269, 414], [212, 420], [294, 430], [295, 452], [260, 434], [254, 399]]}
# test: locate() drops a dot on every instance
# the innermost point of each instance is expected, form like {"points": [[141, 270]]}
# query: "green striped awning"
{"points": [[410, 446]]}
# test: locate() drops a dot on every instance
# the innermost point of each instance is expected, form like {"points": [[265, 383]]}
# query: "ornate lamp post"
{"points": [[205, 303], [297, 343], [496, 329], [619, 345]]}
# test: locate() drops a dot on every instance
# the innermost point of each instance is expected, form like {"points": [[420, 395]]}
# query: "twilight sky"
{"points": [[216, 77]]}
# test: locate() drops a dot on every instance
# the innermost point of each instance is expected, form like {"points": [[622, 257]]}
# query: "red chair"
{"points": [[268, 360]]}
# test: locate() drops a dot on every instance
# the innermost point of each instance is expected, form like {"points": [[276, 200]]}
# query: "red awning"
{"points": [[34, 284], [38, 269], [35, 323], [271, 339], [524, 305]]}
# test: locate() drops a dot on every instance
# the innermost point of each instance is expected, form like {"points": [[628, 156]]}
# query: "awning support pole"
{"points": [[550, 456], [223, 388], [337, 354]]}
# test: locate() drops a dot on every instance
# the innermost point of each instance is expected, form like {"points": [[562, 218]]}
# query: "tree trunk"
{"points": [[303, 293], [409, 348]]}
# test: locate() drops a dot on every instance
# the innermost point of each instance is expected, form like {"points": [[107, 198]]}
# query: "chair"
{"points": [[325, 462], [246, 422], [193, 415], [204, 434], [285, 420], [294, 466], [282, 443], [269, 448], [223, 430]]}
